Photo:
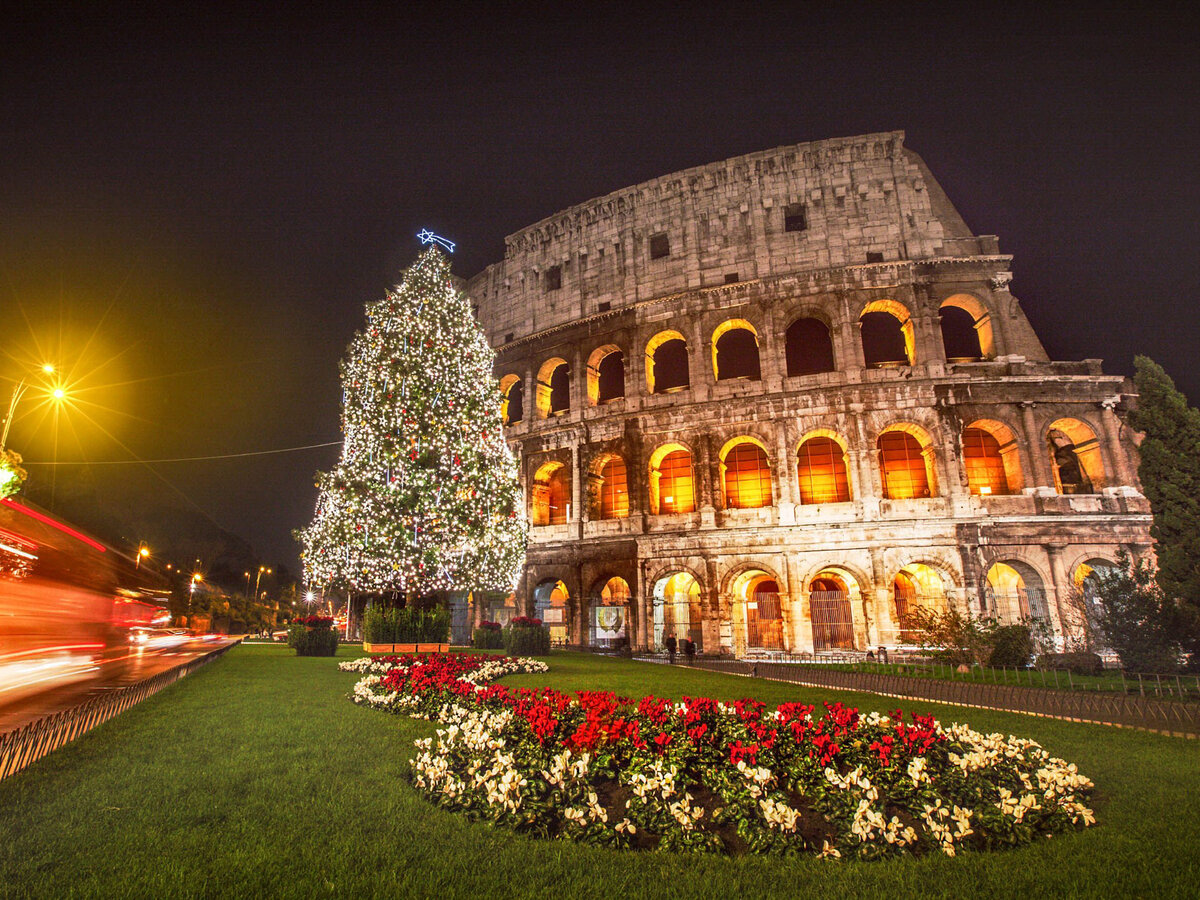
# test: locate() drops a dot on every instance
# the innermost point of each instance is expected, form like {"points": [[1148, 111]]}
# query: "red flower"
{"points": [[739, 751]]}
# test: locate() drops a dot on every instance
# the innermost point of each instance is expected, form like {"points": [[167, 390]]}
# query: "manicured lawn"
{"points": [[255, 777]]}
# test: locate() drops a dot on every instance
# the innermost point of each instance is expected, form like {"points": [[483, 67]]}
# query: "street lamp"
{"points": [[143, 552], [257, 580], [18, 393]]}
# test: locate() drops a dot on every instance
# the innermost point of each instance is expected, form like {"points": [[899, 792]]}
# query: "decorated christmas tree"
{"points": [[425, 496]]}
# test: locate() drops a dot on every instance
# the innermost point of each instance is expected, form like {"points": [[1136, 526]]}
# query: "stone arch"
{"points": [[991, 458], [672, 480], [512, 399], [610, 605], [822, 468], [888, 339], [833, 593], [552, 603], [1014, 589], [553, 388], [667, 363], [735, 351], [605, 375], [608, 487], [550, 495], [677, 608], [966, 325], [1075, 459], [917, 584], [745, 473], [1084, 584], [756, 598], [907, 461], [808, 347]]}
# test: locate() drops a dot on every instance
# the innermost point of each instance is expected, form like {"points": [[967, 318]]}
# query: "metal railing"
{"points": [[29, 743], [1130, 710]]}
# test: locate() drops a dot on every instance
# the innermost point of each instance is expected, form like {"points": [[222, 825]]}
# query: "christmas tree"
{"points": [[425, 496]]}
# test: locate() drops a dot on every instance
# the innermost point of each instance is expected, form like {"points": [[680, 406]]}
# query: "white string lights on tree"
{"points": [[425, 496]]}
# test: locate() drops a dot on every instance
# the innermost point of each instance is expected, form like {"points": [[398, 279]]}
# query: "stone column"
{"points": [[785, 501], [575, 520], [644, 601], [1062, 615], [1118, 461], [1036, 448]]}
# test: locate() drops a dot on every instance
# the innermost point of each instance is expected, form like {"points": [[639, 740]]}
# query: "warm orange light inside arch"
{"points": [[821, 471], [906, 465], [550, 499], [672, 485], [614, 489], [746, 476]]}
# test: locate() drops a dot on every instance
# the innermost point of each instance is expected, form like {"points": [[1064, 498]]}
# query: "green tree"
{"points": [[1141, 623], [425, 496], [1170, 477]]}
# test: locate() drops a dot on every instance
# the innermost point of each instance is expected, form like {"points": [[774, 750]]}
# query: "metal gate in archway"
{"points": [[832, 621]]}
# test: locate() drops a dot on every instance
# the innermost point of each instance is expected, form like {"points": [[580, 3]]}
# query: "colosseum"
{"points": [[776, 403]]}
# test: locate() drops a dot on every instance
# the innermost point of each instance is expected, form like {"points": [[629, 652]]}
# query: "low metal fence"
{"points": [[29, 743], [1102, 707]]}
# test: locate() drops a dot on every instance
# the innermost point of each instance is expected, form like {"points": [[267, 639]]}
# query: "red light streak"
{"points": [[65, 529]]}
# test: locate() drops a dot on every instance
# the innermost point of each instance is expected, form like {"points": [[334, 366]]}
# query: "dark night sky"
{"points": [[194, 204]]}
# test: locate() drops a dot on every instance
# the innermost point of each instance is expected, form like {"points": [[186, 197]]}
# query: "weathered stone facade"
{"points": [[828, 231]]}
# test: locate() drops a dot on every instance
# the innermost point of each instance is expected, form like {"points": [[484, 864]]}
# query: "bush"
{"points": [[1077, 662], [488, 636], [316, 640], [406, 625], [1012, 645], [524, 636]]}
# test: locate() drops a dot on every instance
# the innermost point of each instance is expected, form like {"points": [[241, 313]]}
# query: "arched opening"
{"points": [[553, 388], [609, 625], [611, 490], [1075, 457], [809, 348], [512, 402], [552, 604], [887, 335], [821, 471], [906, 463], [677, 610], [735, 351], [606, 375], [966, 329], [666, 363], [745, 475], [915, 586], [672, 486], [830, 597], [551, 495], [991, 458], [1087, 588], [501, 608], [763, 610], [1013, 592]]}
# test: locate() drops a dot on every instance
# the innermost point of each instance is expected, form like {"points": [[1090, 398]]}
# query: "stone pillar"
{"points": [[1036, 447], [1118, 461], [645, 609], [881, 591], [1062, 614], [575, 520], [708, 473], [784, 468]]}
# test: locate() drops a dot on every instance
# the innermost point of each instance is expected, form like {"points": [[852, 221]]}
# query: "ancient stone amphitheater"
{"points": [[776, 403]]}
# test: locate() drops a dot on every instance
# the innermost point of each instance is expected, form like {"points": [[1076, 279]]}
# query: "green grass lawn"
{"points": [[256, 777]]}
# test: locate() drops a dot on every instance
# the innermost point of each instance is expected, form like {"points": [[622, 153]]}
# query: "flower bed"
{"points": [[723, 777]]}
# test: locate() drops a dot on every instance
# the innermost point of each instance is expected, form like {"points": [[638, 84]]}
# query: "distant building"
{"points": [[776, 402]]}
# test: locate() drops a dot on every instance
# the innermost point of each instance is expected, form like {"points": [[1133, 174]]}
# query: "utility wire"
{"points": [[129, 462]]}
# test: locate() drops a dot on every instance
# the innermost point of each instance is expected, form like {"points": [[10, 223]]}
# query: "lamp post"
{"points": [[17, 394], [143, 552], [257, 580]]}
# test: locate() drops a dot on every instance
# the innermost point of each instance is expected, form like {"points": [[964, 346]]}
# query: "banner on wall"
{"points": [[554, 615], [609, 621]]}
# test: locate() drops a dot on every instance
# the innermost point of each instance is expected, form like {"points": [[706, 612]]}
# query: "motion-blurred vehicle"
{"points": [[67, 600]]}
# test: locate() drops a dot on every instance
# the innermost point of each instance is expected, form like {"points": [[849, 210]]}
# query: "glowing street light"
{"points": [[257, 580], [18, 392], [143, 552]]}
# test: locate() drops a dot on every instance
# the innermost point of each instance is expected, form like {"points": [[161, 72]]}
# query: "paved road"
{"points": [[129, 667]]}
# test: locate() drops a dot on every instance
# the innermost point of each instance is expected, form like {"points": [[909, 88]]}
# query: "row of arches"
{"points": [[886, 331], [906, 460], [762, 617]]}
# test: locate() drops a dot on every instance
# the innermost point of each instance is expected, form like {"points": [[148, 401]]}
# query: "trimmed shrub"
{"points": [[1012, 645], [489, 636], [314, 640], [525, 636], [406, 625], [1078, 662]]}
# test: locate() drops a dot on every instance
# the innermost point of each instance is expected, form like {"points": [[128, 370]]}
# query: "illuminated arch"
{"points": [[991, 458], [916, 585], [808, 347], [672, 480], [906, 462], [1074, 452], [1087, 589], [966, 329], [677, 609], [667, 363], [605, 375], [735, 351], [745, 473], [552, 604], [756, 592], [609, 622], [832, 593], [609, 487], [1013, 591], [887, 334], [512, 403], [821, 469], [550, 497], [553, 388]]}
